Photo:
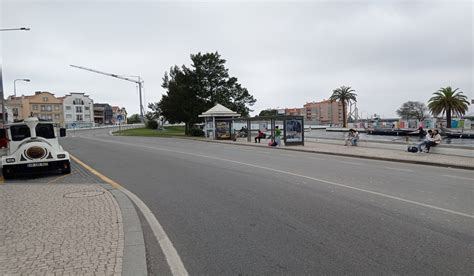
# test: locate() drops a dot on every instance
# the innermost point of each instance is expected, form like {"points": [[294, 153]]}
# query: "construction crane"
{"points": [[139, 82]]}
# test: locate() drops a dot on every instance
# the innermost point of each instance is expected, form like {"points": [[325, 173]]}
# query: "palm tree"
{"points": [[344, 94], [446, 100]]}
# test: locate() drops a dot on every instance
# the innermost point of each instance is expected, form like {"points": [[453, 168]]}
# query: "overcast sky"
{"points": [[284, 53]]}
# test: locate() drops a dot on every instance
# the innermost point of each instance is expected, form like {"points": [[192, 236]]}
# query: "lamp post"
{"points": [[14, 84], [15, 29], [1, 79]]}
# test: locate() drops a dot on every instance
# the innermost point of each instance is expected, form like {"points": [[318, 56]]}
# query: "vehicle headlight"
{"points": [[61, 156], [10, 160]]}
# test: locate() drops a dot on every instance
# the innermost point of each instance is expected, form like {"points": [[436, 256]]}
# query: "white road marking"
{"points": [[297, 175], [172, 257], [458, 177]]}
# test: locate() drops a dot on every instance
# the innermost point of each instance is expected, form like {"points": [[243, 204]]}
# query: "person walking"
{"points": [[278, 136]]}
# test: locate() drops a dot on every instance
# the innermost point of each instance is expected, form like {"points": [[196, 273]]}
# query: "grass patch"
{"points": [[170, 131]]}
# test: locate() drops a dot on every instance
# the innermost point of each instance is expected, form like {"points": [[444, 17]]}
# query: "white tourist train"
{"points": [[33, 147]]}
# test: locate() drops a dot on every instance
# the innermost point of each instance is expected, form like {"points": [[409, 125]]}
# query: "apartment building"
{"points": [[42, 104], [103, 114], [78, 110], [14, 108], [324, 112], [295, 111]]}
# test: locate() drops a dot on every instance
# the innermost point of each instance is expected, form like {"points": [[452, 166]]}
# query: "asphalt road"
{"points": [[233, 209]]}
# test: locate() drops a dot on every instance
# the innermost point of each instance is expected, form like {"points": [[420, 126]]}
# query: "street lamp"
{"points": [[15, 29], [1, 79], [14, 84]]}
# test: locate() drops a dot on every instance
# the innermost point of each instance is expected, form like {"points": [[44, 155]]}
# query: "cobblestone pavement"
{"points": [[395, 155], [78, 175], [50, 226]]}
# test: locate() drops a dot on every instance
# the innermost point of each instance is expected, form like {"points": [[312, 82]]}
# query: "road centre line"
{"points": [[171, 255], [297, 175]]}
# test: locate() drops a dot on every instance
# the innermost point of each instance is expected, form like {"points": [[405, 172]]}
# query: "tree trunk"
{"points": [[344, 121], [448, 117], [186, 129]]}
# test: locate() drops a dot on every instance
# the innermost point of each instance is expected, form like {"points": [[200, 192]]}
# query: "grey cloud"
{"points": [[284, 53]]}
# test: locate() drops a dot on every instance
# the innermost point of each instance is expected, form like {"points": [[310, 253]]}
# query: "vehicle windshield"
{"points": [[45, 130], [20, 132]]}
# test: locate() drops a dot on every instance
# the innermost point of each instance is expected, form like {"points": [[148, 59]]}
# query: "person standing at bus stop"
{"points": [[277, 136]]}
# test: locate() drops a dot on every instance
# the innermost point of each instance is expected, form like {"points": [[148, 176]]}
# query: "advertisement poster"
{"points": [[223, 130], [294, 131]]}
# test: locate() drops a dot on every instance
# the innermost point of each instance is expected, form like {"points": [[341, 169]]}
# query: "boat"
{"points": [[463, 134], [393, 132]]}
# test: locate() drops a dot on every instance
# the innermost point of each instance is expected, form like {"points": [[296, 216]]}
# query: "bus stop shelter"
{"points": [[292, 127], [218, 122]]}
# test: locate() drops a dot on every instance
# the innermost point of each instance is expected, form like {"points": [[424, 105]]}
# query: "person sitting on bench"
{"points": [[428, 138], [436, 141], [259, 136]]}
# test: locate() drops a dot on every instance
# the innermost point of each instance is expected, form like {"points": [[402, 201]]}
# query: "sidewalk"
{"points": [[60, 228], [68, 225], [371, 153]]}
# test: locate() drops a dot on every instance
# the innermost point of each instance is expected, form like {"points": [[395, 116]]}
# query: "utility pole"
{"points": [[1, 78], [139, 82], [1, 95]]}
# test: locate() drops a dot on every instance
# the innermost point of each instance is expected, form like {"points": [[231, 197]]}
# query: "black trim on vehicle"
{"points": [[24, 169]]}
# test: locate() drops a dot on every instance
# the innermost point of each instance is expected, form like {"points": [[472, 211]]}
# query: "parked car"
{"points": [[33, 147]]}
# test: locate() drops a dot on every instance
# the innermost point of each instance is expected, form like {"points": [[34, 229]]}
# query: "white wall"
{"points": [[72, 110]]}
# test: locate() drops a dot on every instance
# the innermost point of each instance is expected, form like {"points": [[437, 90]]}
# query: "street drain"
{"points": [[84, 194]]}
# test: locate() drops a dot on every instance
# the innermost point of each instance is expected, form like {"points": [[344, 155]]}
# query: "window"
{"points": [[49, 117], [45, 131], [68, 107], [79, 117], [57, 117], [45, 99], [56, 107], [87, 116], [15, 111], [78, 109], [20, 132], [43, 107], [86, 108], [78, 101], [68, 116], [49, 108], [35, 107]]}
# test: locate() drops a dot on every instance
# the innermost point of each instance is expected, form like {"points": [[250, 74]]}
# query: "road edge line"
{"points": [[134, 251], [171, 255]]}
